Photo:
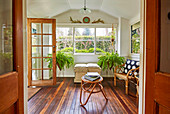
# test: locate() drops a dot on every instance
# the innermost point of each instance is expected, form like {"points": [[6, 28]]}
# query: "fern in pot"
{"points": [[62, 60], [110, 60]]}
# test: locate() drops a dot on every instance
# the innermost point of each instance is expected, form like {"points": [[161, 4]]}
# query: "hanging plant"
{"points": [[110, 60], [62, 60]]}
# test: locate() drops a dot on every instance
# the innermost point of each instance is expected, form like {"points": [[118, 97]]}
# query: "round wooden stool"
{"points": [[92, 86]]}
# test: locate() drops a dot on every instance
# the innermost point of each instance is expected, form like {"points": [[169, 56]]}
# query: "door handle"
{"points": [[53, 46]]}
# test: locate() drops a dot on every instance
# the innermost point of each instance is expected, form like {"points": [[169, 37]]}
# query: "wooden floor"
{"points": [[32, 92], [64, 98]]}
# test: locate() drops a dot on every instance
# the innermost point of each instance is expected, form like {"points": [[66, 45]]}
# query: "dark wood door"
{"points": [[157, 57], [11, 57]]}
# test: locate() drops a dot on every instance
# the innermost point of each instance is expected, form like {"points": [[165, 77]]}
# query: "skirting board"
{"points": [[74, 76]]}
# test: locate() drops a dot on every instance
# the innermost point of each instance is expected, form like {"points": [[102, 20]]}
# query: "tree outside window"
{"points": [[135, 38]]}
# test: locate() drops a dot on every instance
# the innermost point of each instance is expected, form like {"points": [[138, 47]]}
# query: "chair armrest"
{"points": [[132, 71], [118, 68]]}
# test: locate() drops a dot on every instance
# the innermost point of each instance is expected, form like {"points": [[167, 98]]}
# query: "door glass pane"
{"points": [[47, 39], [165, 37], [6, 47], [36, 51], [47, 51], [36, 74], [47, 74], [36, 39], [48, 63], [36, 28], [47, 28], [36, 63]]}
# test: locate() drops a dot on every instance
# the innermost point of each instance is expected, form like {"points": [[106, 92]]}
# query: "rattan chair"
{"points": [[118, 72]]}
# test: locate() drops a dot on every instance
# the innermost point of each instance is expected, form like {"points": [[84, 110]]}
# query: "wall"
{"points": [[82, 59], [25, 57], [94, 15], [64, 20], [123, 37]]}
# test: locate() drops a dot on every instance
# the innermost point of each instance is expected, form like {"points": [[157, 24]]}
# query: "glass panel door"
{"points": [[6, 38], [41, 54]]}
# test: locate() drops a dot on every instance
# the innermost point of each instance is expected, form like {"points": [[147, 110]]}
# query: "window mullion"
{"points": [[73, 40], [94, 40]]}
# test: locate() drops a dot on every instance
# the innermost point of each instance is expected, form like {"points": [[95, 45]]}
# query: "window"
{"points": [[84, 40], [64, 39], [135, 38], [103, 40]]}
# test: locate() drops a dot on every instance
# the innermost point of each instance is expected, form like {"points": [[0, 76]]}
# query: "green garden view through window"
{"points": [[135, 38], [84, 40]]}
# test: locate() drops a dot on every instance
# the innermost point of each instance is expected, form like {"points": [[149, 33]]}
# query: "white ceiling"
{"points": [[49, 8]]}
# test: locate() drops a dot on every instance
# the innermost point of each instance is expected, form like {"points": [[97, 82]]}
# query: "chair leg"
{"points": [[126, 86], [114, 80], [103, 92], [88, 96]]}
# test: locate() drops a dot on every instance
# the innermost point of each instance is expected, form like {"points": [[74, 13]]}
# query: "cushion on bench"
{"points": [[80, 68], [130, 64]]}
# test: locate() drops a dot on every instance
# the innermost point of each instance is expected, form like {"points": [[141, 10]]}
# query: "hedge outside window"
{"points": [[135, 38], [64, 39], [84, 40], [103, 40]]}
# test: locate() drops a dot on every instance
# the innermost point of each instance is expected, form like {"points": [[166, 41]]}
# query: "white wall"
{"points": [[123, 37], [134, 19], [82, 59], [25, 57], [64, 19], [94, 15]]}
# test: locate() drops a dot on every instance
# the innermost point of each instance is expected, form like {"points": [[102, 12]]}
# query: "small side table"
{"points": [[92, 86]]}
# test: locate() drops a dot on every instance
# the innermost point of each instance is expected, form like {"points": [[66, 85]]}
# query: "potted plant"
{"points": [[110, 60], [62, 60]]}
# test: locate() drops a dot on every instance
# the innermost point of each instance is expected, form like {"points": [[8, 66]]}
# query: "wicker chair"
{"points": [[118, 72]]}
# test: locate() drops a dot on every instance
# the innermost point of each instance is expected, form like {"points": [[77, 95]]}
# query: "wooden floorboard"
{"points": [[64, 98], [32, 92]]}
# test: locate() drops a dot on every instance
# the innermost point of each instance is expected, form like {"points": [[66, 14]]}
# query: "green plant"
{"points": [[67, 49], [62, 60], [110, 60]]}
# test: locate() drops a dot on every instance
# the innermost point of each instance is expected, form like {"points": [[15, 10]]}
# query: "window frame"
{"points": [[94, 53]]}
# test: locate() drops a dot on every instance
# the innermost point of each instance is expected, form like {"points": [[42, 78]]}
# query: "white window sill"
{"points": [[84, 53], [135, 56]]}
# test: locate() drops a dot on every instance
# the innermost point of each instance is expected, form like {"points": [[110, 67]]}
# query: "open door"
{"points": [[157, 57], [11, 57], [41, 49]]}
